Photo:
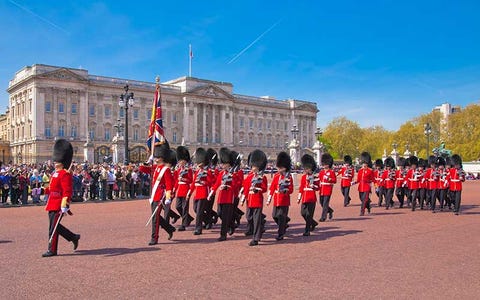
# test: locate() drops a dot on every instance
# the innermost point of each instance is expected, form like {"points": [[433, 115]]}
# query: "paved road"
{"points": [[395, 254]]}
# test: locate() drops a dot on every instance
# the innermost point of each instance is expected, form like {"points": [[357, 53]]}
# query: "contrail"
{"points": [[38, 16], [252, 43]]}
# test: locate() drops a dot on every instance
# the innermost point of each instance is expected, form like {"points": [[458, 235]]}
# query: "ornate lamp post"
{"points": [[428, 131], [126, 101], [318, 146], [294, 144]]}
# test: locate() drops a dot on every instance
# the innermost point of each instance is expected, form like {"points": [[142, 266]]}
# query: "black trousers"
{"points": [[308, 210], [365, 198], [225, 212], [400, 193], [5, 194], [346, 195], [169, 213], [237, 212], [434, 195], [388, 197], [380, 193], [61, 230], [183, 206], [413, 195], [457, 197], [422, 195], [199, 207], [254, 225], [325, 203], [210, 214], [159, 221], [280, 215]]}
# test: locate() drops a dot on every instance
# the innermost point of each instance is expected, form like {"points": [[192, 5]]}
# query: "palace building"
{"points": [[49, 102]]}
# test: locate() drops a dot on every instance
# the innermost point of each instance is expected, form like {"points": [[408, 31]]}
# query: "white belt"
{"points": [[326, 183], [308, 189], [455, 180], [199, 184], [181, 182]]}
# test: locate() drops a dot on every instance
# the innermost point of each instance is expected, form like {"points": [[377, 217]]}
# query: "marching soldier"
{"points": [[432, 178], [237, 212], [211, 216], [183, 179], [60, 195], [442, 182], [327, 180], [281, 188], [200, 186], [365, 177], [347, 173], [254, 186], [413, 179], [378, 180], [171, 163], [456, 177], [388, 177], [401, 181], [422, 187], [226, 184], [307, 192], [161, 193]]}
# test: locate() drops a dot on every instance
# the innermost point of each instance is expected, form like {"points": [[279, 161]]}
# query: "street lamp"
{"points": [[318, 133], [118, 127], [126, 100], [428, 131], [294, 132]]}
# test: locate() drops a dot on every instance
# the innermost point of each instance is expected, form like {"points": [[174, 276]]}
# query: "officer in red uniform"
{"points": [[307, 192], [200, 188], [211, 216], [365, 177], [347, 173], [442, 182], [422, 187], [254, 186], [162, 186], [237, 212], [413, 181], [388, 179], [378, 180], [183, 179], [456, 176], [227, 184], [60, 195], [171, 163], [431, 179], [327, 180], [400, 181], [281, 188]]}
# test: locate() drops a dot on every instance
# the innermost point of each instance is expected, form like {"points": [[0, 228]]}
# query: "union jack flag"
{"points": [[155, 131]]}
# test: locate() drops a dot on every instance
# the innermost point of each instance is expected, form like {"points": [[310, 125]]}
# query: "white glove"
{"points": [[168, 201], [65, 209], [150, 159]]}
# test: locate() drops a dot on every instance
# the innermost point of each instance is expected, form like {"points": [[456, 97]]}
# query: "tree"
{"points": [[463, 132], [343, 136], [375, 141]]}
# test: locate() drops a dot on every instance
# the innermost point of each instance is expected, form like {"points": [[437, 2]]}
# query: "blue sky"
{"points": [[375, 62]]}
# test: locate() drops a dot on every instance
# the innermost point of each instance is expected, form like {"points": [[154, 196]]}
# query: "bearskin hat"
{"points": [[390, 162], [448, 161], [201, 156], [183, 154], [432, 160], [212, 156], [456, 160], [441, 161], [402, 162], [422, 163], [162, 151], [225, 156], [365, 158], [347, 159], [413, 160], [379, 163], [172, 157], [284, 161], [63, 153], [236, 158], [257, 158], [308, 162], [327, 159]]}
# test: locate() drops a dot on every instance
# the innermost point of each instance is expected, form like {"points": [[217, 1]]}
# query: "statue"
{"points": [[441, 151]]}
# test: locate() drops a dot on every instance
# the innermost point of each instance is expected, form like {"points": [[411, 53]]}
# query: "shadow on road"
{"points": [[351, 219], [387, 213], [5, 241], [317, 235], [112, 251]]}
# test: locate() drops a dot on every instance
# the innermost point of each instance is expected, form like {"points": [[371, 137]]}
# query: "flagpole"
{"points": [[190, 60], [157, 94]]}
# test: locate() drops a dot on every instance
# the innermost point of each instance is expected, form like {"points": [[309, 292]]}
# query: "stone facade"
{"points": [[48, 102]]}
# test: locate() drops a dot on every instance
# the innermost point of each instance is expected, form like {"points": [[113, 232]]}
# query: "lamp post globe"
{"points": [[126, 100]]}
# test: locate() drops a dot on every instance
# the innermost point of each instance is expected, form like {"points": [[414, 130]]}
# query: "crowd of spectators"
{"points": [[26, 184]]}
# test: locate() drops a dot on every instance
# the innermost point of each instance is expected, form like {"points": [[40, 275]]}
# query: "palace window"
{"points": [[174, 137], [107, 134], [73, 131], [61, 107], [61, 131], [91, 134], [48, 132], [74, 108], [135, 134], [91, 110], [107, 112], [241, 122], [48, 106], [135, 114]]}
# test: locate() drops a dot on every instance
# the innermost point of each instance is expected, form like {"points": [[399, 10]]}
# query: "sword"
{"points": [[55, 228], [155, 211]]}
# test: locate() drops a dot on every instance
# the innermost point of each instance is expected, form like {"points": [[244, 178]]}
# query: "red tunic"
{"points": [[400, 177], [165, 184], [239, 177], [202, 180], [347, 173], [413, 177], [60, 186], [327, 180], [378, 177], [455, 179], [226, 184], [253, 189], [309, 184], [443, 181], [280, 189], [183, 179], [388, 178], [431, 177], [365, 178]]}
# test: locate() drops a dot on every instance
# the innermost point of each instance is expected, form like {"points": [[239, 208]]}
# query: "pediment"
{"points": [[307, 107], [210, 91], [63, 74]]}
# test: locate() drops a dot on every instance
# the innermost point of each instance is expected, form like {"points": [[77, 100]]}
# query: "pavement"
{"points": [[394, 254]]}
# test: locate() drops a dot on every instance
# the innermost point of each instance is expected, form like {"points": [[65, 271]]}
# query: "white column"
{"points": [[186, 128], [213, 123], [204, 125], [195, 122], [222, 124]]}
